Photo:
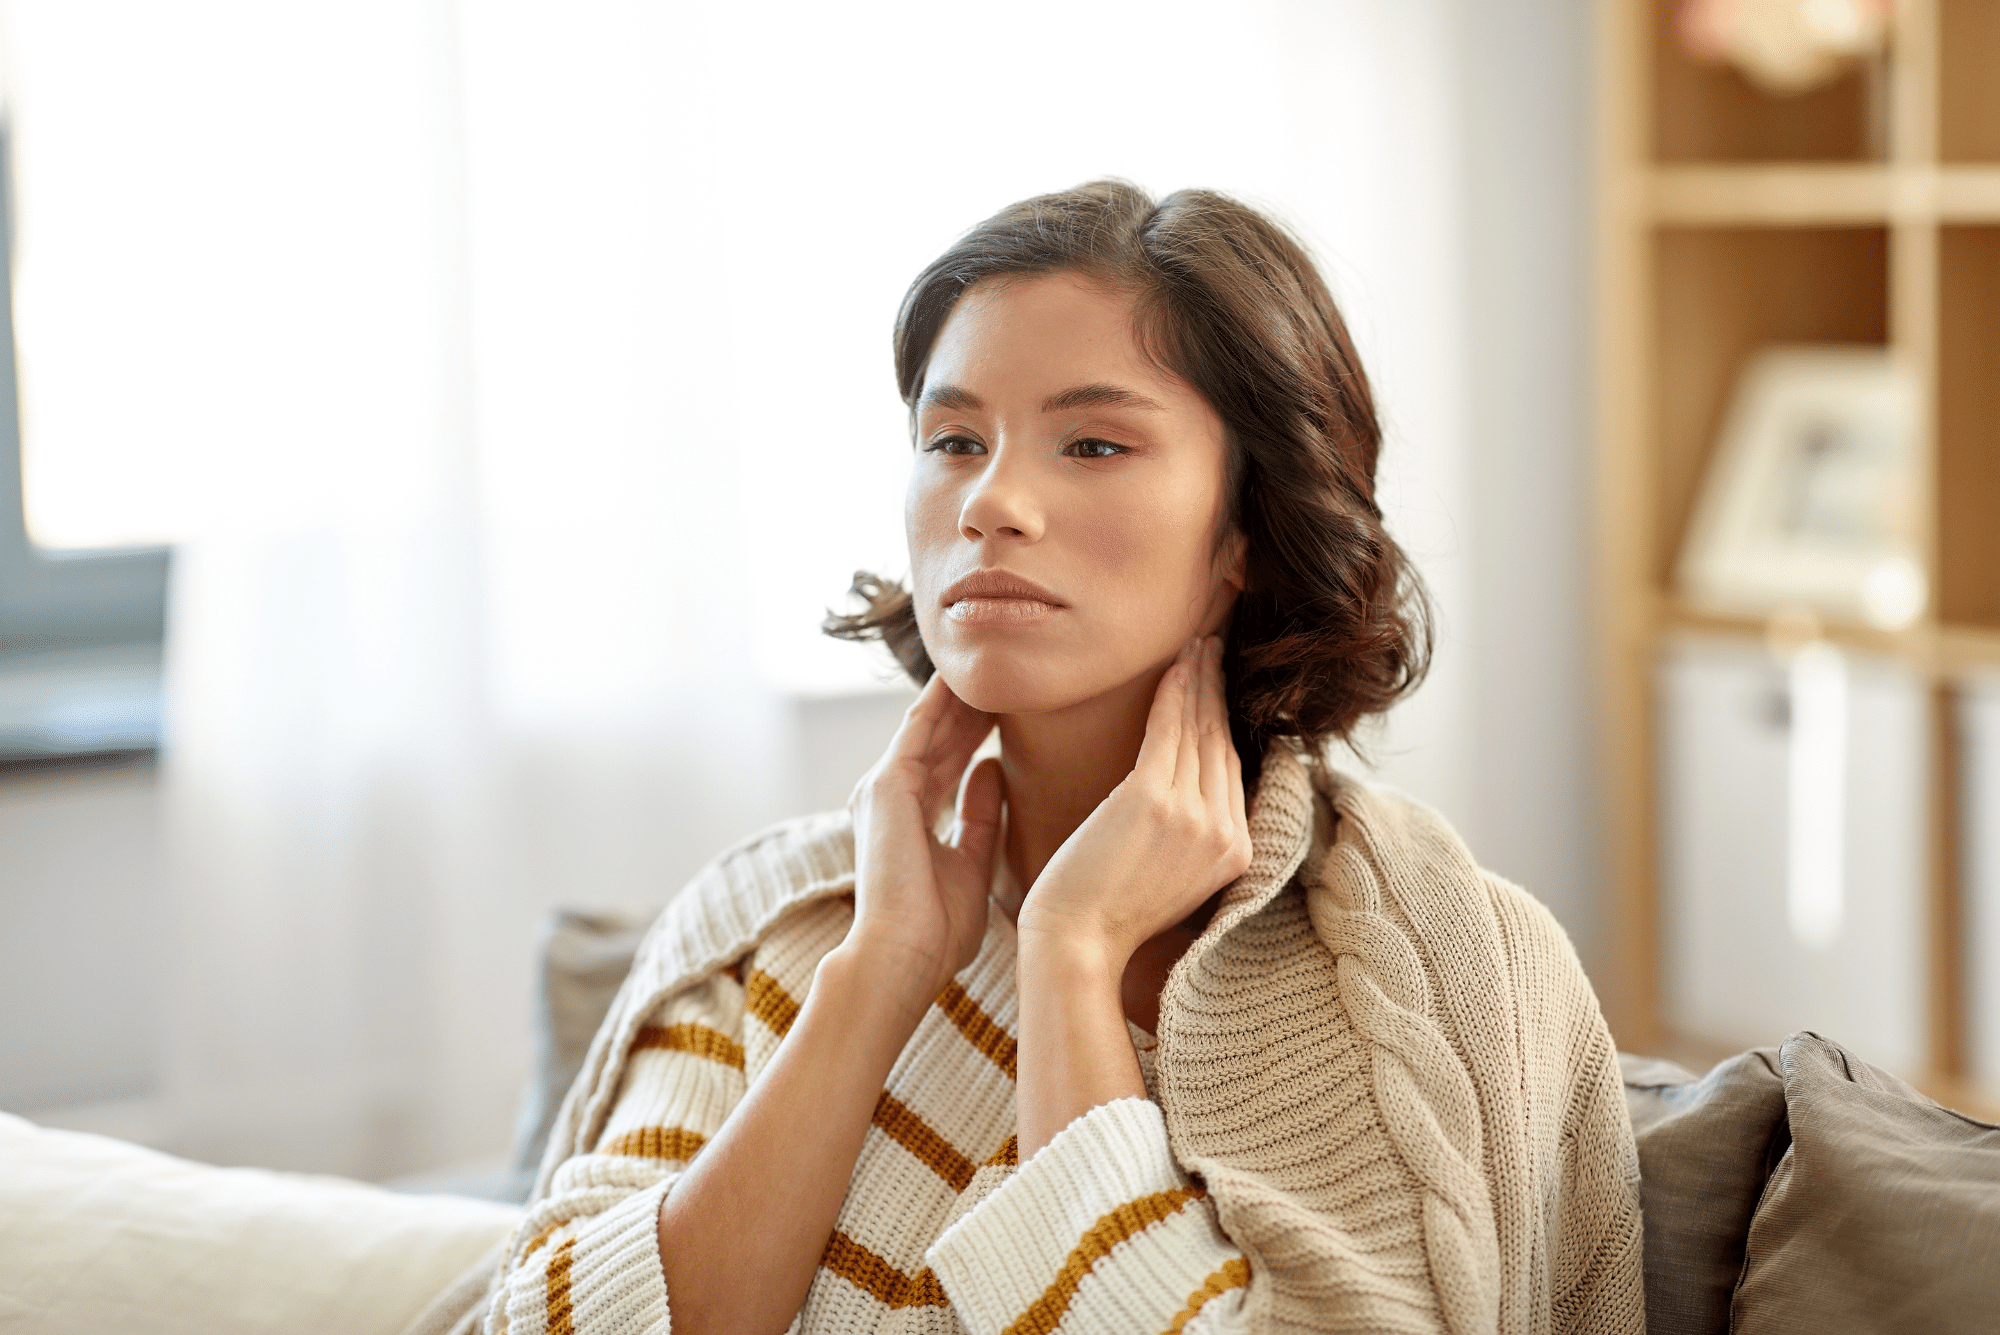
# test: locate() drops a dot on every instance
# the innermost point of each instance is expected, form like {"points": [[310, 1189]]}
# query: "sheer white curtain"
{"points": [[514, 380]]}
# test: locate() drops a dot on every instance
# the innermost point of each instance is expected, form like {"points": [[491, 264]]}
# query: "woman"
{"points": [[867, 1077]]}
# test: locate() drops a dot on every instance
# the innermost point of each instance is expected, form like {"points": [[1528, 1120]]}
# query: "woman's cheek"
{"points": [[1151, 566], [930, 534], [1116, 544]]}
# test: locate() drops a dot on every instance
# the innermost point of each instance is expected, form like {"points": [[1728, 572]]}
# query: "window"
{"points": [[80, 631]]}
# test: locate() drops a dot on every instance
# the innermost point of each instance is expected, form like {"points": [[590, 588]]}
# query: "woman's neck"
{"points": [[1061, 764]]}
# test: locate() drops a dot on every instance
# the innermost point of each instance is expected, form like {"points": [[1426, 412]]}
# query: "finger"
{"points": [[1187, 761], [1241, 821], [978, 832], [1213, 714], [958, 734], [1159, 751], [917, 732]]}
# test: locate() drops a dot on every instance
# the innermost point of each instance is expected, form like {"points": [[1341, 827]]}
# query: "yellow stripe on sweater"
{"points": [[540, 1239], [1125, 1222], [872, 1275], [1234, 1274], [978, 1027], [697, 1039], [559, 1310], [658, 1142], [914, 1134], [769, 1002]]}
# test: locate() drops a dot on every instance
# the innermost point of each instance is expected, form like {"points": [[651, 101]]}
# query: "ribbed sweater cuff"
{"points": [[606, 1278], [1099, 1231]]}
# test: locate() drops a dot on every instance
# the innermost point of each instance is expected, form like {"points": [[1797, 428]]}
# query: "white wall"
{"points": [[1534, 813], [80, 919]]}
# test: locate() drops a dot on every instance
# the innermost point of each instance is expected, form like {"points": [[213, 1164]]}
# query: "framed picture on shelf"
{"points": [[1810, 500]]}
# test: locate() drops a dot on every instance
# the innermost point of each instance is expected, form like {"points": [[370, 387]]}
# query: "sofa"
{"points": [[1798, 1188], [1794, 1188]]}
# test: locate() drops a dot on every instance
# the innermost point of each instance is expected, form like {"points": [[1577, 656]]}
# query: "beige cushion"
{"points": [[1706, 1147], [1884, 1215], [97, 1235]]}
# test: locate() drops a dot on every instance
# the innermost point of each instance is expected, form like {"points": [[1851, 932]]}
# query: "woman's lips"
{"points": [[998, 598], [998, 611]]}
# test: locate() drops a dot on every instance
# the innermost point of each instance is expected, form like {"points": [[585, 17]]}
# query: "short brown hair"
{"points": [[1333, 624]]}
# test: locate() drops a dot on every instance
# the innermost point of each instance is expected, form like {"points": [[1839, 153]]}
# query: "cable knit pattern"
{"points": [[1466, 1025], [1422, 1093], [1383, 1100]]}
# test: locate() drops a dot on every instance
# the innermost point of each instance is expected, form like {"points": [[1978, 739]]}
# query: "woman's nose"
{"points": [[1001, 504]]}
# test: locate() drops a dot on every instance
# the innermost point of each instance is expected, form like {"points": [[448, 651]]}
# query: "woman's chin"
{"points": [[1014, 688]]}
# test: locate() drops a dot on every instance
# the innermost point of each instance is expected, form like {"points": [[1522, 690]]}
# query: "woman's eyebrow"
{"points": [[951, 396], [1080, 396], [1098, 396]]}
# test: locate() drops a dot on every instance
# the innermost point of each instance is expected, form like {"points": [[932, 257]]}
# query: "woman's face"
{"points": [[1066, 501]]}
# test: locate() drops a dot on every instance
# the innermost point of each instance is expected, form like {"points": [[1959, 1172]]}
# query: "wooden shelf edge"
{"points": [[1822, 194], [1969, 648], [1949, 650], [1968, 194], [1916, 645], [1804, 194]]}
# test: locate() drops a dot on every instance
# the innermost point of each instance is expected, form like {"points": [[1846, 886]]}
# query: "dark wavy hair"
{"points": [[1333, 625]]}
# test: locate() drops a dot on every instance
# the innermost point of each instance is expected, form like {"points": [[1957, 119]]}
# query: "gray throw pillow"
{"points": [[1883, 1215], [1706, 1147], [585, 957]]}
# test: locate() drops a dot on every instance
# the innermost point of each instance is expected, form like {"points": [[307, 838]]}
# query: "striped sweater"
{"points": [[1382, 1099]]}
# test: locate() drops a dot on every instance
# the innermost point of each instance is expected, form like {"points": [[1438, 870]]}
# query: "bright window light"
{"points": [[197, 277], [261, 256]]}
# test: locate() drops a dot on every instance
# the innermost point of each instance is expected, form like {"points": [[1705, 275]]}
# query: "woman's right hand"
{"points": [[920, 901], [742, 1232]]}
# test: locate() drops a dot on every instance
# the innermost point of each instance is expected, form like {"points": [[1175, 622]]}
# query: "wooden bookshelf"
{"points": [[1821, 195], [1865, 211]]}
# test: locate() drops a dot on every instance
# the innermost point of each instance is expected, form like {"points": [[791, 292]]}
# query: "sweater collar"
{"points": [[1281, 834]]}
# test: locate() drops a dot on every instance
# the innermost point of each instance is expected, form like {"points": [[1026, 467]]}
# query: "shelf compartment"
{"points": [[1704, 113], [1720, 294], [1968, 425], [1968, 91]]}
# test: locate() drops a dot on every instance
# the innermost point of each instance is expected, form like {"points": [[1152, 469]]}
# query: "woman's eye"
{"points": [[955, 445], [1092, 448]]}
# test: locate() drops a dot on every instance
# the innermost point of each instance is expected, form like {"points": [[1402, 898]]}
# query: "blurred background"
{"points": [[443, 423]]}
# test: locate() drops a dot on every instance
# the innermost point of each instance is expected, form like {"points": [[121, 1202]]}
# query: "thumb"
{"points": [[979, 814]]}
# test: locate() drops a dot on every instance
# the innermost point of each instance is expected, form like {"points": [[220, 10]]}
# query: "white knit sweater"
{"points": [[1383, 1100]]}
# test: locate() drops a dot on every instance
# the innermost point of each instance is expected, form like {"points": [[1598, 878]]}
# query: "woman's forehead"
{"points": [[1060, 339]]}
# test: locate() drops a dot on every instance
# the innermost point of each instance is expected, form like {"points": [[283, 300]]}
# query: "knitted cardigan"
{"points": [[1384, 1100]]}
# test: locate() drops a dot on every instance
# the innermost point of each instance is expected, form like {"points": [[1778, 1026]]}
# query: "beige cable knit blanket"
{"points": [[1386, 1102]]}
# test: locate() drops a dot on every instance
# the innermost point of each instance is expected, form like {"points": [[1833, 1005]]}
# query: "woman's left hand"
{"points": [[1165, 839]]}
